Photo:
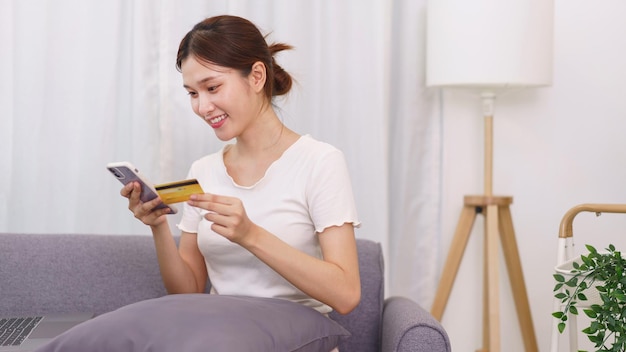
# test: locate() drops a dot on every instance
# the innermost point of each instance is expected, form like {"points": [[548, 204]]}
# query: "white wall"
{"points": [[555, 148]]}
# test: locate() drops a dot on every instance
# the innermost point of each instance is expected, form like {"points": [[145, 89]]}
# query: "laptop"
{"points": [[26, 333]]}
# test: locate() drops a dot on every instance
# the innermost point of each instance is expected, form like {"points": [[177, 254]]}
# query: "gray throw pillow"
{"points": [[203, 322]]}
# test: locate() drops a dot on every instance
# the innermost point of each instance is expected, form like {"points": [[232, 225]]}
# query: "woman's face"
{"points": [[221, 96]]}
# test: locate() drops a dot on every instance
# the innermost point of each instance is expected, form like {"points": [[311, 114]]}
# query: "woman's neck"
{"points": [[265, 135], [248, 160]]}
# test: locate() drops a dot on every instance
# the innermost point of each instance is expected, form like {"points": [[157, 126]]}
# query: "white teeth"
{"points": [[217, 119]]}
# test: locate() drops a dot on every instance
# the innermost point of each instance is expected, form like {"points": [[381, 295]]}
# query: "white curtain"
{"points": [[83, 83]]}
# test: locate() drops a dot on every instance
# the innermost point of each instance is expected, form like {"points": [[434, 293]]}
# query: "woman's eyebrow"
{"points": [[202, 81]]}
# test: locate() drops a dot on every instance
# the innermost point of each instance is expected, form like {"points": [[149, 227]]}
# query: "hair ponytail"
{"points": [[282, 79]]}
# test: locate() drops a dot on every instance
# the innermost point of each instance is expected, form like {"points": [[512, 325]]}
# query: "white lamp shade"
{"points": [[489, 43]]}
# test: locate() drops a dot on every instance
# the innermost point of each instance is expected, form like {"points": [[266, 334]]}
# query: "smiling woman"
{"points": [[278, 217]]}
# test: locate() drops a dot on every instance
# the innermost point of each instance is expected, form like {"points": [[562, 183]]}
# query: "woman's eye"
{"points": [[192, 94], [212, 88]]}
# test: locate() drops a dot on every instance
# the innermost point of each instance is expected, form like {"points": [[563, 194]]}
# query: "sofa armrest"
{"points": [[408, 327]]}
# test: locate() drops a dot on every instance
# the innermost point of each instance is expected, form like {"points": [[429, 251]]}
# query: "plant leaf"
{"points": [[590, 313], [558, 315], [620, 296], [589, 330], [586, 260]]}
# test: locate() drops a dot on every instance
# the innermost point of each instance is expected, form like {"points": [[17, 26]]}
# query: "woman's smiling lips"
{"points": [[217, 121]]}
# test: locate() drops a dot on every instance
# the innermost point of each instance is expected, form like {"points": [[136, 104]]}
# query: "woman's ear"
{"points": [[257, 76]]}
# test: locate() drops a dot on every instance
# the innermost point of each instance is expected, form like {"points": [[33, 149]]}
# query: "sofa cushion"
{"points": [[203, 322]]}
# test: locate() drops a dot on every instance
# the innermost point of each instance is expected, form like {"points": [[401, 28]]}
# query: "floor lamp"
{"points": [[489, 46]]}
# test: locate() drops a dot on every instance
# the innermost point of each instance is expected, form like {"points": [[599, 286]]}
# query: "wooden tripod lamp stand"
{"points": [[489, 46]]}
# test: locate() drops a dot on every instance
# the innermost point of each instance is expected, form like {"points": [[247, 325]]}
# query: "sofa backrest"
{"points": [[365, 321], [56, 273], [66, 273]]}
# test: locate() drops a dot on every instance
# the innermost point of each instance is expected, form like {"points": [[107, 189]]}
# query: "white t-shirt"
{"points": [[302, 193]]}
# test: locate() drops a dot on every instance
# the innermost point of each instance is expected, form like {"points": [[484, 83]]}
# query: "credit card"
{"points": [[179, 191]]}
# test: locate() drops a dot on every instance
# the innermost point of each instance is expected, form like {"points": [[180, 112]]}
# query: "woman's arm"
{"points": [[182, 268], [333, 280]]}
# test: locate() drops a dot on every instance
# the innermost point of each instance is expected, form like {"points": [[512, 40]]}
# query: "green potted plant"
{"points": [[602, 275]]}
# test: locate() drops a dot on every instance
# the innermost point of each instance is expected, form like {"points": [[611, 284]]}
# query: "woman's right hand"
{"points": [[146, 212]]}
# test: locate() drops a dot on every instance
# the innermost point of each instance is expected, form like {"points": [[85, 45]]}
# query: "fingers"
{"points": [[149, 215], [151, 205], [146, 212], [132, 191], [212, 202], [227, 215], [207, 197], [127, 189], [194, 201], [219, 207]]}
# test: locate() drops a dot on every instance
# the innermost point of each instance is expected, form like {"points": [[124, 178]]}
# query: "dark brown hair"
{"points": [[235, 42]]}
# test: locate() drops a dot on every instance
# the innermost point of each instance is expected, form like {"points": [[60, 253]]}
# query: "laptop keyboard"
{"points": [[13, 331]]}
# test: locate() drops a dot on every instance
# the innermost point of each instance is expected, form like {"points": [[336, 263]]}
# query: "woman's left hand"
{"points": [[227, 214]]}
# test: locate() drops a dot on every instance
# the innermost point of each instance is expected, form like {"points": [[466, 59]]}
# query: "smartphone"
{"points": [[125, 172]]}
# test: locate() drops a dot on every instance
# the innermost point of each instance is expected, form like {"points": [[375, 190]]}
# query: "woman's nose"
{"points": [[205, 106]]}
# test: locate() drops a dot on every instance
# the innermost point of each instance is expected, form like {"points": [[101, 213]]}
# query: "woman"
{"points": [[278, 219]]}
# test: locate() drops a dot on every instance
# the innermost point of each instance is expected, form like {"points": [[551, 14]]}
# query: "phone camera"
{"points": [[117, 173]]}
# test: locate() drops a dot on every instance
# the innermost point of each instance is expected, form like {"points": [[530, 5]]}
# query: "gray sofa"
{"points": [[55, 273]]}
